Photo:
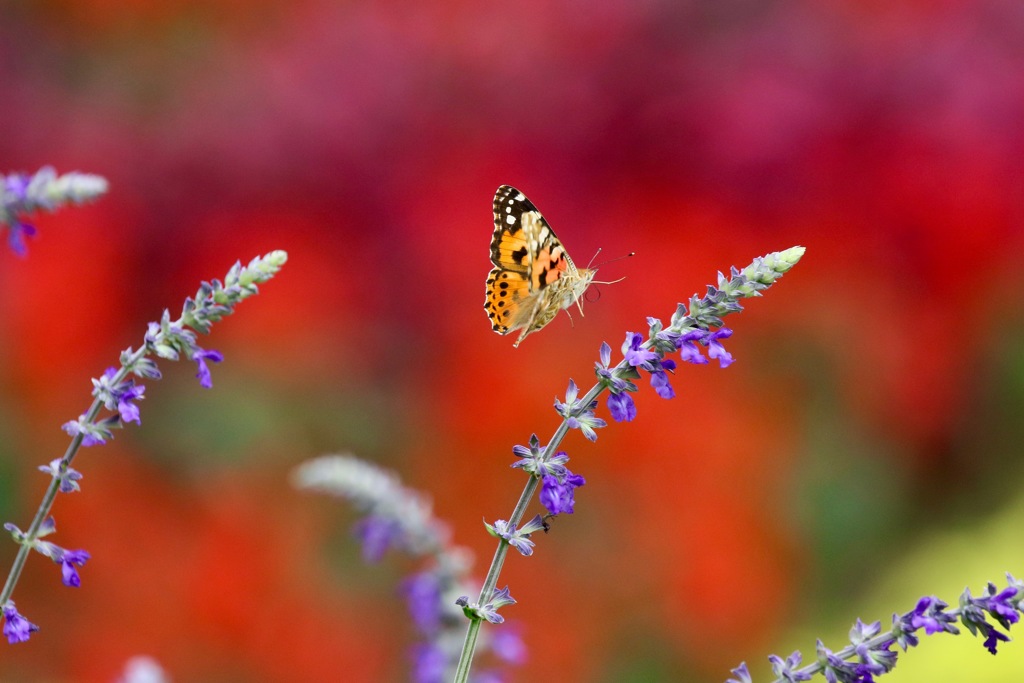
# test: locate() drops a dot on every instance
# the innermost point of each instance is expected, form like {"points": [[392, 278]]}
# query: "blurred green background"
{"points": [[863, 451]]}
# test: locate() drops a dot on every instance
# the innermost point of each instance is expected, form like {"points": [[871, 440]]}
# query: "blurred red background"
{"points": [[875, 402]]}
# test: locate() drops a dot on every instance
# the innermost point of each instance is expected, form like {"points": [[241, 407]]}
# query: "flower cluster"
{"points": [[397, 517], [871, 652], [22, 194], [118, 393], [517, 538], [558, 482]]}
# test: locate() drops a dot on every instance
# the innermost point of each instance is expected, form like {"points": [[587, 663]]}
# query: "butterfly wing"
{"points": [[532, 273]]}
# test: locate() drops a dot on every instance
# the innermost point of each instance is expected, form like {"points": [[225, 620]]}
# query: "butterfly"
{"points": [[533, 277]]}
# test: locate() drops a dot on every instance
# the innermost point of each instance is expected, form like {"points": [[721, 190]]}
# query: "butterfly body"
{"points": [[533, 277]]}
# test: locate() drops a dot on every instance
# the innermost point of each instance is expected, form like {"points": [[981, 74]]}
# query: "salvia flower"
{"points": [[636, 354], [872, 648], [615, 379], [715, 349], [22, 194], [1000, 604], [903, 632], [689, 352], [200, 357], [557, 494], [690, 325], [69, 559], [929, 614], [377, 534], [995, 636], [533, 460], [488, 611], [404, 519], [621, 407], [659, 379], [118, 393], [741, 673], [579, 415], [17, 628], [835, 668], [788, 669], [92, 433], [66, 475], [422, 593], [518, 539]]}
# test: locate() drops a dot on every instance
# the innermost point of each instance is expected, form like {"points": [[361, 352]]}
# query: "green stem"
{"points": [[51, 491], [491, 581]]}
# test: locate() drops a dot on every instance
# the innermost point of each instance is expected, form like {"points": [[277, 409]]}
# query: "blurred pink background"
{"points": [[876, 399]]}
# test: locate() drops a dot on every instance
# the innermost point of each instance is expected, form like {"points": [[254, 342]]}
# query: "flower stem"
{"points": [[51, 491], [491, 581]]}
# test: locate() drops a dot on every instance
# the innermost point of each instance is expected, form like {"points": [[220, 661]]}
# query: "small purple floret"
{"points": [[200, 357], [715, 349], [377, 535], [423, 598], [17, 628], [995, 636], [634, 353], [621, 407], [125, 403], [68, 560], [559, 496]]}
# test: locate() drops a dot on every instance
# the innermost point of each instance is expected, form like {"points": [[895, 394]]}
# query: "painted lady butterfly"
{"points": [[533, 277]]}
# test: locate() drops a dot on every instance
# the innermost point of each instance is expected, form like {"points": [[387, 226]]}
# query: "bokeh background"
{"points": [[863, 451]]}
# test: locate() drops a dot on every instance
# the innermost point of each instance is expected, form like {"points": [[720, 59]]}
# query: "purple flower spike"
{"points": [[200, 357], [68, 560], [16, 627], [622, 407]]}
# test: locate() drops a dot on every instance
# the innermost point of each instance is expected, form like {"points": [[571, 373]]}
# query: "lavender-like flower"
{"points": [[22, 194], [518, 539], [578, 414], [690, 326], [870, 654], [557, 494], [488, 611], [404, 519], [17, 628], [116, 392]]}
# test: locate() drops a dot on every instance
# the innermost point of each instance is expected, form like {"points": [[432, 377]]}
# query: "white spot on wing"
{"points": [[510, 220]]}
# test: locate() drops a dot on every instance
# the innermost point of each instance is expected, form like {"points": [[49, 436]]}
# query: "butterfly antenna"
{"points": [[593, 257], [617, 258]]}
